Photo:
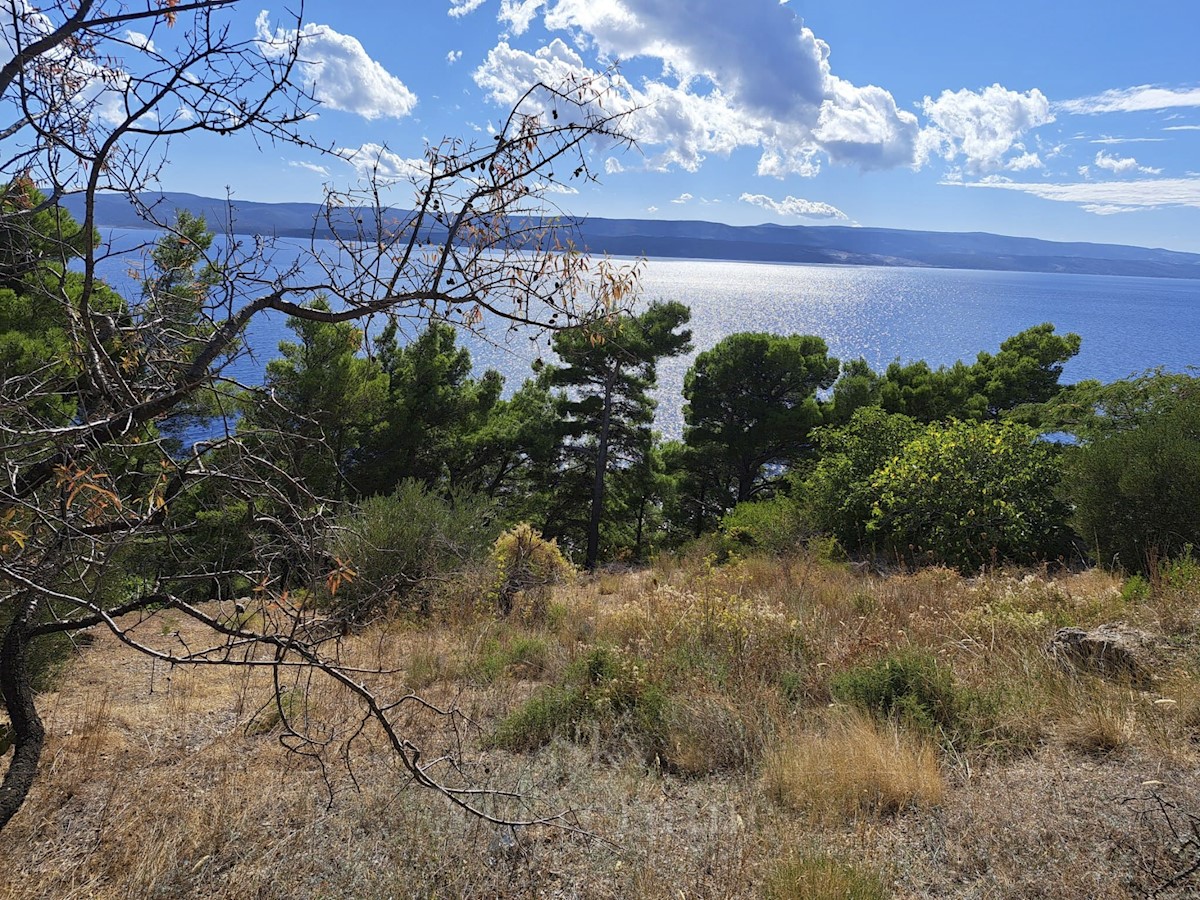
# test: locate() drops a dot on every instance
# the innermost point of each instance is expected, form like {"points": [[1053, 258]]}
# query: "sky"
{"points": [[1065, 120]]}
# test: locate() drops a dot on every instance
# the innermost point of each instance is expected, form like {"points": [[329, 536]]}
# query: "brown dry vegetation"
{"points": [[687, 715]]}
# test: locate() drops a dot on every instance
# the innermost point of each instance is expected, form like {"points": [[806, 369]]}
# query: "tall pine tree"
{"points": [[608, 371]]}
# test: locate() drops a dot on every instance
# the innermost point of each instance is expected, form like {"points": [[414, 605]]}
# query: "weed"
{"points": [[523, 656], [822, 878], [606, 688], [857, 766], [272, 714], [912, 688]]}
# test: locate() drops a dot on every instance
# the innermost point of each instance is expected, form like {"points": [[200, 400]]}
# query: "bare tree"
{"points": [[100, 503]]}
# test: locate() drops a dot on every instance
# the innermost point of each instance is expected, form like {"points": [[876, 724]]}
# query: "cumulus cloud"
{"points": [[683, 198], [981, 126], [1119, 166], [517, 14], [459, 8], [1135, 99], [795, 206], [340, 72], [733, 75], [1025, 161], [613, 166], [862, 125], [453, 56], [684, 126], [376, 162], [1109, 197]]}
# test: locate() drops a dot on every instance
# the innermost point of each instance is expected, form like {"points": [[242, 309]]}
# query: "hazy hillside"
{"points": [[708, 240]]}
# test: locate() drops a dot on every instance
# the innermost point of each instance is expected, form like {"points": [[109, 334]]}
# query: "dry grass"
{"points": [[854, 767], [822, 878], [161, 783]]}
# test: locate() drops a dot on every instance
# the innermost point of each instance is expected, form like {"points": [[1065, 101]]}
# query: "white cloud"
{"points": [[683, 198], [311, 167], [1119, 166], [377, 163], [340, 73], [1135, 99], [453, 56], [1127, 140], [139, 40], [517, 14], [981, 126], [613, 166], [862, 125], [460, 8], [1109, 209], [795, 206], [685, 126], [1182, 128], [1025, 161], [1108, 197], [770, 88], [554, 187], [652, 209], [779, 162]]}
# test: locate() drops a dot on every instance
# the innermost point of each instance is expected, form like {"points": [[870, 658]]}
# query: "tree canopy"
{"points": [[751, 405]]}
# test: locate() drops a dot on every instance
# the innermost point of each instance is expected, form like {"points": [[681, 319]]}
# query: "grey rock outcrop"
{"points": [[1112, 650]]}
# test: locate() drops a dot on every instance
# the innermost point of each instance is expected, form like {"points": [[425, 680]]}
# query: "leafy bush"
{"points": [[605, 688], [527, 564], [390, 547], [912, 688], [837, 497], [966, 494], [771, 526], [1136, 490]]}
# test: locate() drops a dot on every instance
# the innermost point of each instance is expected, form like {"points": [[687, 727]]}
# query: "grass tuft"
{"points": [[857, 767], [822, 878]]}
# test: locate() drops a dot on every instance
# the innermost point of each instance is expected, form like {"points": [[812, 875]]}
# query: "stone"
{"points": [[1113, 650]]}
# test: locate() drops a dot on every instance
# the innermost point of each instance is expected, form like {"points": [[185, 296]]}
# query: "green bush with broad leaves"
{"points": [[967, 494]]}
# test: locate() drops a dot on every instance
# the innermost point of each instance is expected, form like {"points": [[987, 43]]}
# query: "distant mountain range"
{"points": [[708, 240]]}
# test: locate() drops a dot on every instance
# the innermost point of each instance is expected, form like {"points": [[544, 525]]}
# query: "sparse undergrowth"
{"points": [[684, 711]]}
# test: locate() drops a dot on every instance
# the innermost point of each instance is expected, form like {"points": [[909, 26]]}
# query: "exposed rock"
{"points": [[1113, 650]]}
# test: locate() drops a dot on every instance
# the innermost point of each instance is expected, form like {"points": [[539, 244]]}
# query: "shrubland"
{"points": [[810, 634], [798, 660], [777, 725]]}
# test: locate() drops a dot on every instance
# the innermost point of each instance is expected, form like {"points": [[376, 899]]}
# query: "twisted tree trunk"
{"points": [[28, 734]]}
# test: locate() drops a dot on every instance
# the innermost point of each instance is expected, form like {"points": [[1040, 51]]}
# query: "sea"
{"points": [[881, 314]]}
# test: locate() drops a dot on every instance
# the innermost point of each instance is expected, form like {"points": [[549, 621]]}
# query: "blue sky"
{"points": [[1063, 120]]}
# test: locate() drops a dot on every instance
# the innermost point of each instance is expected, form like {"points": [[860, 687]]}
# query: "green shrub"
{"points": [[605, 688], [968, 494], [821, 878], [554, 710], [526, 565], [1136, 589], [1136, 489], [769, 526], [837, 496], [390, 548], [911, 687]]}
